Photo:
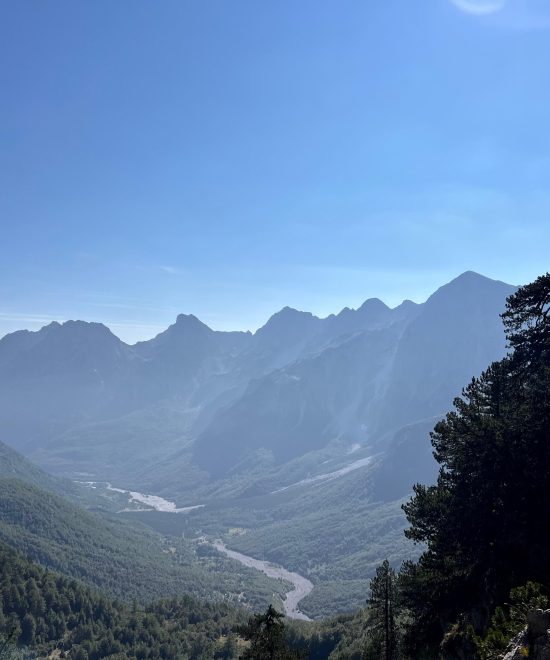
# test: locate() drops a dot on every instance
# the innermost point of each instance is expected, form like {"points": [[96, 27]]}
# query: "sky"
{"points": [[228, 158]]}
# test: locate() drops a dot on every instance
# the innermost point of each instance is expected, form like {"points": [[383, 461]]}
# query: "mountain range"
{"points": [[296, 385], [277, 432]]}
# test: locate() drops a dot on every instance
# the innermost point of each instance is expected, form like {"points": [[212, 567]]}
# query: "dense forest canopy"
{"points": [[46, 611]]}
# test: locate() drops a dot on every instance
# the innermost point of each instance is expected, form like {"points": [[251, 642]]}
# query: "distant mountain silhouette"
{"points": [[369, 384], [80, 400]]}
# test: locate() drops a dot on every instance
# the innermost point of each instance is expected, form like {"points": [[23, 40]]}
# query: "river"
{"points": [[302, 586], [152, 502]]}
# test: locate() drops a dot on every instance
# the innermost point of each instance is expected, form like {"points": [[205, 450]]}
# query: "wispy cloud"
{"points": [[479, 7], [170, 269]]}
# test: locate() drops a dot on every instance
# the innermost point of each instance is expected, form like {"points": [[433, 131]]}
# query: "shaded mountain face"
{"points": [[184, 358], [59, 376], [281, 340], [457, 334], [407, 460], [76, 373], [82, 401], [303, 407], [368, 385]]}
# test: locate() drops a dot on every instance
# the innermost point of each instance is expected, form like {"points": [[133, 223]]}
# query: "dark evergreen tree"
{"points": [[383, 608], [266, 634], [484, 521]]}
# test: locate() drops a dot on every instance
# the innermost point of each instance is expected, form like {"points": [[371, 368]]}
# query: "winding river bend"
{"points": [[302, 586]]}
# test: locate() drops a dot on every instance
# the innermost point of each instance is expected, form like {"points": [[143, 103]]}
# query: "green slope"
{"points": [[330, 532], [45, 611], [123, 558], [13, 464]]}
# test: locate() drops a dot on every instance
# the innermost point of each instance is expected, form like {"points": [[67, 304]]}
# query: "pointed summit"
{"points": [[406, 305], [186, 334], [470, 286], [190, 321], [373, 306], [371, 314], [287, 320], [407, 310]]}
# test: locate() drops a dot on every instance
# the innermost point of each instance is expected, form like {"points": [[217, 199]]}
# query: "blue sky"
{"points": [[227, 158]]}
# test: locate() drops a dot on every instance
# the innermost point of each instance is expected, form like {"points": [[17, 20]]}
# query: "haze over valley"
{"points": [[248, 437], [274, 330]]}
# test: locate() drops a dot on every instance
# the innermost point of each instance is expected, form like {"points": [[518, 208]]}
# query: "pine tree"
{"points": [[383, 604], [266, 634], [484, 522]]}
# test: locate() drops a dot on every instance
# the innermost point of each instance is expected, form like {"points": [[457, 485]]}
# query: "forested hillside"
{"points": [[123, 559], [15, 466], [45, 611]]}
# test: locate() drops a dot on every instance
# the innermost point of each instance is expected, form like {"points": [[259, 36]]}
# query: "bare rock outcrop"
{"points": [[533, 641]]}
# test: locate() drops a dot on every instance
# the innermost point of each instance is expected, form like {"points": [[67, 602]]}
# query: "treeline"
{"points": [[44, 611], [484, 523]]}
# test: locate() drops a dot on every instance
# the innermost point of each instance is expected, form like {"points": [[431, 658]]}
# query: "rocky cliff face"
{"points": [[534, 641]]}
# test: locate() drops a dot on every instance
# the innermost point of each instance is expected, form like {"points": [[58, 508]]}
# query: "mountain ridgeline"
{"points": [[77, 399], [290, 438], [295, 444]]}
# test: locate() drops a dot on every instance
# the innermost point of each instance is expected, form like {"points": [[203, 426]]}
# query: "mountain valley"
{"points": [[278, 442]]}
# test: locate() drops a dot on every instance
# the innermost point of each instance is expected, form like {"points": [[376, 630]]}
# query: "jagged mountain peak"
{"points": [[189, 320], [407, 303], [68, 332], [287, 318], [186, 333], [183, 324], [83, 328], [290, 312], [51, 326]]}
